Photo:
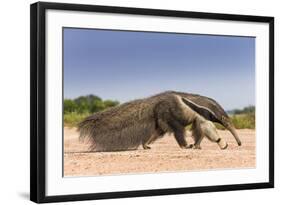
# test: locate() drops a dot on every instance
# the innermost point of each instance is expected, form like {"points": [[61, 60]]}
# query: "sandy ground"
{"points": [[164, 156]]}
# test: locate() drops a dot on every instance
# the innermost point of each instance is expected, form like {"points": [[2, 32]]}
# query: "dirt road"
{"points": [[164, 156]]}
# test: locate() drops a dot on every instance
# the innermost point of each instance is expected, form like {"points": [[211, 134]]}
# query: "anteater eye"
{"points": [[223, 118]]}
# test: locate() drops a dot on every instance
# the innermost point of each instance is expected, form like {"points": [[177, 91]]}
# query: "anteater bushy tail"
{"points": [[123, 127]]}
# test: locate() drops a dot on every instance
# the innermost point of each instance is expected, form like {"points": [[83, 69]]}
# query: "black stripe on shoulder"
{"points": [[204, 112]]}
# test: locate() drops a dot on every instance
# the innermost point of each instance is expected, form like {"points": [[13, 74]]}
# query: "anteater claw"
{"points": [[146, 147]]}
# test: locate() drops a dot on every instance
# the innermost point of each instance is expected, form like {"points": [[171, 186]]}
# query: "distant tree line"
{"points": [[87, 104], [246, 110], [243, 118]]}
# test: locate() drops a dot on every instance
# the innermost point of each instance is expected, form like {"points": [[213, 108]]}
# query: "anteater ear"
{"points": [[225, 120], [201, 110]]}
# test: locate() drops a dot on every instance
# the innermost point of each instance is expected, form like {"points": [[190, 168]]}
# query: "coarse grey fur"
{"points": [[140, 122]]}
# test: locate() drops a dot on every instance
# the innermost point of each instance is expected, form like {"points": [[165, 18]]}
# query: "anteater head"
{"points": [[210, 110]]}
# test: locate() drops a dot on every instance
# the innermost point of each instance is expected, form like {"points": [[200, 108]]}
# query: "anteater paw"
{"points": [[187, 146], [196, 147], [146, 147]]}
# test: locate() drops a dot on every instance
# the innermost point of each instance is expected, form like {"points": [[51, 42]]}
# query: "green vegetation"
{"points": [[246, 110], [241, 118], [243, 121], [77, 109], [73, 118], [244, 118]]}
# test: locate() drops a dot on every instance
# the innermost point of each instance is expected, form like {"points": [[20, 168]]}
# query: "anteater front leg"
{"points": [[197, 142], [209, 129], [168, 123], [179, 132], [197, 134]]}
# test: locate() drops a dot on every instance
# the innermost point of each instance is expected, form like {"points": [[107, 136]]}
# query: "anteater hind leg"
{"points": [[150, 140], [157, 134]]}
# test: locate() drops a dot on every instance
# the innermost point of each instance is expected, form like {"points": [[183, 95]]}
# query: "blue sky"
{"points": [[124, 65]]}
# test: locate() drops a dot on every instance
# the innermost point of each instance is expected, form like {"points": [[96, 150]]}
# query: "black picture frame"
{"points": [[38, 101]]}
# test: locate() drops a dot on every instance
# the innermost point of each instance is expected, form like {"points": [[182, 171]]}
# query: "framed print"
{"points": [[129, 102]]}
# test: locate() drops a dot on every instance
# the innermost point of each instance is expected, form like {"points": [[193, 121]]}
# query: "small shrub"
{"points": [[241, 121], [72, 119], [244, 121]]}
